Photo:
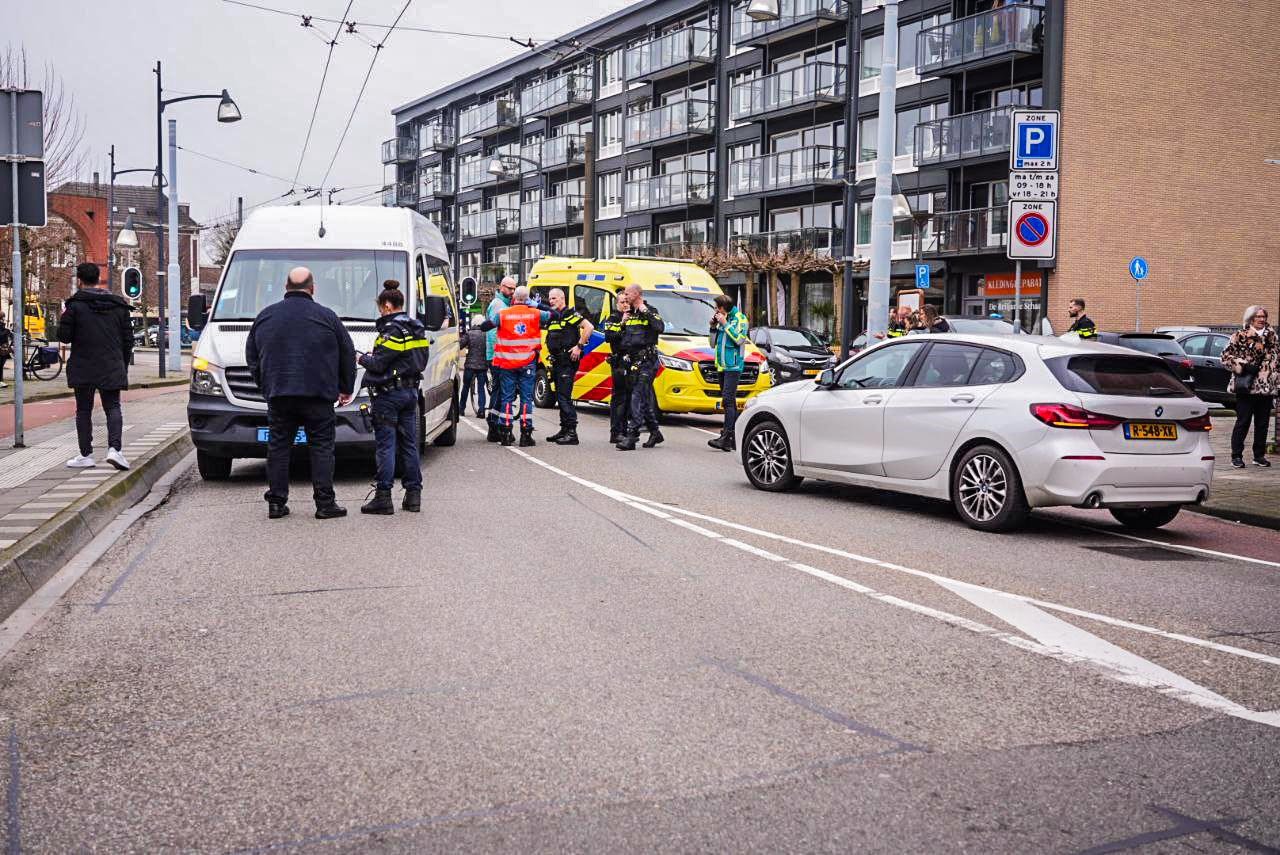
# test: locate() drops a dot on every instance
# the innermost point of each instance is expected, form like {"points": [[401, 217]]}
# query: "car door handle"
{"points": [[962, 398], [872, 400]]}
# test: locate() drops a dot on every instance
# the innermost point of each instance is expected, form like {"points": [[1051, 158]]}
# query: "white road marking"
{"points": [[1196, 549], [703, 430]]}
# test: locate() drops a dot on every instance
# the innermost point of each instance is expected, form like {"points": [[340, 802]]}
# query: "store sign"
{"points": [[1001, 285]]}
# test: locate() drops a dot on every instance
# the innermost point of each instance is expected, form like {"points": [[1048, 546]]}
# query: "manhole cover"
{"points": [[1143, 553]]}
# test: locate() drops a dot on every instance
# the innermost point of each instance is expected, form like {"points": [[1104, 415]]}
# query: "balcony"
{"points": [[561, 211], [489, 224], [663, 56], [673, 190], [475, 173], [399, 150], [433, 183], [674, 122], [818, 241], [406, 193], [389, 196], [972, 232], [436, 137], [804, 88], [967, 136], [980, 39], [489, 273], [670, 249], [488, 119], [447, 231], [563, 151], [557, 95], [531, 214], [796, 16], [786, 170]]}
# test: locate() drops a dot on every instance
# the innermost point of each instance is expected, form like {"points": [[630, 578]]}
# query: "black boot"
{"points": [[555, 437], [615, 438], [655, 437], [276, 510], [628, 442], [526, 438], [570, 437], [724, 442], [380, 503], [412, 501], [495, 433], [507, 437], [330, 511]]}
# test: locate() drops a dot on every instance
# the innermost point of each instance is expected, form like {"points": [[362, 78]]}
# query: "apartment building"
{"points": [[705, 132]]}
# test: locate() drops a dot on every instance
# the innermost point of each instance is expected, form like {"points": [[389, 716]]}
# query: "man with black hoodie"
{"points": [[95, 323]]}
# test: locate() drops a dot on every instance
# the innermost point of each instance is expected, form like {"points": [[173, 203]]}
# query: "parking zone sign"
{"points": [[1035, 139], [1033, 230]]}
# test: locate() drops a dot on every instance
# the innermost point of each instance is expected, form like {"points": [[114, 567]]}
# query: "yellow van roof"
{"points": [[651, 274]]}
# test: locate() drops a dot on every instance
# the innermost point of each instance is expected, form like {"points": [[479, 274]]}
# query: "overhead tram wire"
{"points": [[248, 169], [315, 109], [352, 24]]}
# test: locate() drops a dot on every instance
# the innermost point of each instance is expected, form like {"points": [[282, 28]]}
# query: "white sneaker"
{"points": [[4, 385], [81, 462], [116, 459]]}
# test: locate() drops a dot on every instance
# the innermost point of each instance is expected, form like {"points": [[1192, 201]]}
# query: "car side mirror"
{"points": [[827, 379], [436, 311], [197, 312]]}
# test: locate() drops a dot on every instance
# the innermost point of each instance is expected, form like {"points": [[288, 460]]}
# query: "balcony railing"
{"points": [[562, 211], [795, 16], [670, 54], [672, 122], [490, 118], [800, 88], [977, 39], [474, 173], [434, 183], [964, 136], [399, 150], [531, 214], [818, 241], [669, 249], [406, 193], [489, 273], [557, 94], [447, 231], [786, 170], [389, 196], [488, 224], [567, 150], [970, 232], [673, 190], [436, 137]]}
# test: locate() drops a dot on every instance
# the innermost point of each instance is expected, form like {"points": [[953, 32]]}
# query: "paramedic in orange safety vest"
{"points": [[515, 361]]}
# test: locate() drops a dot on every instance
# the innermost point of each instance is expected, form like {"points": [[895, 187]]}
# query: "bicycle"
{"points": [[43, 361]]}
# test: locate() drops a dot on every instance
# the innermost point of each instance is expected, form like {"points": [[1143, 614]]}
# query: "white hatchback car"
{"points": [[996, 424]]}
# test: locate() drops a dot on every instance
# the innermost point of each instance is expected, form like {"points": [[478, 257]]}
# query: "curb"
{"points": [[68, 393], [1271, 521], [24, 569]]}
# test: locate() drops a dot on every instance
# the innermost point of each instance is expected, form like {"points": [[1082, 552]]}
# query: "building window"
{"points": [[567, 246], [610, 74], [609, 133], [868, 133], [864, 223], [872, 57], [907, 121], [907, 37], [741, 226], [637, 238], [607, 245], [609, 194]]}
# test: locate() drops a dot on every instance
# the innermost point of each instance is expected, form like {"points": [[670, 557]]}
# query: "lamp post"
{"points": [[878, 288], [227, 112], [111, 211], [498, 168]]}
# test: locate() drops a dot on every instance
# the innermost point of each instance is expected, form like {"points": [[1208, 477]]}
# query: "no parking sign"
{"points": [[1033, 230]]}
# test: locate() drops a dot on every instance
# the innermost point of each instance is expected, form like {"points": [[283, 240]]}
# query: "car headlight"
{"points": [[204, 383], [784, 357], [674, 363]]}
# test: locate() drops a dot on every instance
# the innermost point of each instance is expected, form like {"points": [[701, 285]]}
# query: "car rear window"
{"points": [[1132, 376], [1157, 346]]}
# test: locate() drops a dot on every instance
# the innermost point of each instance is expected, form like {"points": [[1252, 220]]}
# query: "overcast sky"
{"points": [[105, 50]]}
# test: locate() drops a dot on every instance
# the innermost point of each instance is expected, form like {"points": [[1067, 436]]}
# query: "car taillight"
{"points": [[1200, 423], [1068, 416], [1186, 363]]}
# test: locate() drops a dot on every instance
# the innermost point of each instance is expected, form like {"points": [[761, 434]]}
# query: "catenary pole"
{"points": [[160, 292], [852, 62], [19, 295], [173, 275], [882, 206]]}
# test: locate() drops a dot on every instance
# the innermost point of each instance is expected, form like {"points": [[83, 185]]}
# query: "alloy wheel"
{"points": [[984, 487], [767, 456]]}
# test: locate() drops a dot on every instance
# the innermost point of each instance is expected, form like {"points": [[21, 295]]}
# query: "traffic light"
{"points": [[470, 290], [132, 279]]}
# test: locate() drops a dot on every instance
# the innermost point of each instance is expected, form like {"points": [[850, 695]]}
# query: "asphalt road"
{"points": [[577, 649]]}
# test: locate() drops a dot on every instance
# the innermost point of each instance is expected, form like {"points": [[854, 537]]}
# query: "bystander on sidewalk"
{"points": [[1250, 495]]}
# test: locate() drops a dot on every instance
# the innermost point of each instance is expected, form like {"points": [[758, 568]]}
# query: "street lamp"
{"points": [[763, 10], [128, 236], [111, 209], [228, 112]]}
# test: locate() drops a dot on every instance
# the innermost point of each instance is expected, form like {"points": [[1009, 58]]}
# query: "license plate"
{"points": [[1150, 430], [264, 435], [812, 372]]}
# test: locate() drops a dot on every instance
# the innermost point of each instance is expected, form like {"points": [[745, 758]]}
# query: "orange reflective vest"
{"points": [[519, 337]]}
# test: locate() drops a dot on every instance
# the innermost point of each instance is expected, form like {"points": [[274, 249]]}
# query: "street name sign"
{"points": [[1033, 230], [1033, 185], [1035, 139]]}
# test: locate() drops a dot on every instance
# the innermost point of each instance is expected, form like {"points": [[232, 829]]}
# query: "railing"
{"points": [[474, 173], [801, 87], [490, 223], [389, 196], [489, 273], [436, 137], [447, 231], [488, 118], [694, 116], [673, 190], [406, 193], [433, 183], [531, 214], [530, 156], [670, 249], [797, 14], [995, 33], [398, 150], [782, 170], [670, 53], [969, 232], [559, 93], [819, 241], [977, 134], [562, 211], [566, 150]]}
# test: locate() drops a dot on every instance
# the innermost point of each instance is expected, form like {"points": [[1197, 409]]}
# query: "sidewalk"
{"points": [[143, 374], [1249, 495]]}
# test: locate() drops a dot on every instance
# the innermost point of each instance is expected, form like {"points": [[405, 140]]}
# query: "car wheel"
{"points": [[450, 436], [766, 458], [212, 467], [1145, 519], [543, 399], [986, 490]]}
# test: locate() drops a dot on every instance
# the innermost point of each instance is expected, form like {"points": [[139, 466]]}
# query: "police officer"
{"points": [[641, 326], [393, 371], [1081, 324], [620, 397], [567, 336]]}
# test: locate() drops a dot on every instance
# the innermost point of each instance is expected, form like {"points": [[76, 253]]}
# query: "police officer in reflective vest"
{"points": [[1081, 324], [641, 326], [620, 396], [392, 372], [515, 357], [567, 337]]}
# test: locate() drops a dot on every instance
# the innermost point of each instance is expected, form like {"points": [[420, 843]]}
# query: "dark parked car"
{"points": [[794, 353], [1164, 346], [1204, 349]]}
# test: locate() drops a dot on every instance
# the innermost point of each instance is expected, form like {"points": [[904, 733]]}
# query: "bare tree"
{"points": [[65, 158], [218, 241]]}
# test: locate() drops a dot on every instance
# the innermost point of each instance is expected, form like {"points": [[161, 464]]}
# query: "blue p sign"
{"points": [[1035, 141], [922, 276]]}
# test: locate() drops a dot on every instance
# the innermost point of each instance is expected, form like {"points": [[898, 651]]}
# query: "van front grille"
{"points": [[240, 384]]}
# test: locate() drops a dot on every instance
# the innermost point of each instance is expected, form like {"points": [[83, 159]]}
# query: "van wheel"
{"points": [[212, 467], [766, 458], [543, 398], [986, 490], [450, 436], [1145, 519]]}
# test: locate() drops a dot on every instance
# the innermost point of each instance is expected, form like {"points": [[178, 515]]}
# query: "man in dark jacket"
{"points": [[302, 358], [95, 323], [392, 373], [476, 367], [6, 346]]}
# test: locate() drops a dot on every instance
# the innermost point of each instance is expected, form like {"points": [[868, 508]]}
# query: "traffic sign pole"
{"points": [[1017, 297], [19, 297]]}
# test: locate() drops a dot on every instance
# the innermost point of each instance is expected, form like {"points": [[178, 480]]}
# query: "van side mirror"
{"points": [[436, 312], [827, 379], [197, 312]]}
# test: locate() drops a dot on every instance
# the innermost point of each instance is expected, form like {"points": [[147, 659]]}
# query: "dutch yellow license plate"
{"points": [[1150, 430], [812, 372]]}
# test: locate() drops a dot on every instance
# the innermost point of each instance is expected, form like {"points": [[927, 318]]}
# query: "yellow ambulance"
{"points": [[683, 293]]}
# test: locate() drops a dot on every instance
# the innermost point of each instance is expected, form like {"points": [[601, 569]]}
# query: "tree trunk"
{"points": [[837, 305], [749, 296], [795, 299]]}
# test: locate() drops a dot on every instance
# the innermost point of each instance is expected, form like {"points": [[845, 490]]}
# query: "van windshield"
{"points": [[347, 280], [683, 314]]}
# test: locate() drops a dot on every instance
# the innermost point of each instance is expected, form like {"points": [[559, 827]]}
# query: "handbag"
{"points": [[1244, 380]]}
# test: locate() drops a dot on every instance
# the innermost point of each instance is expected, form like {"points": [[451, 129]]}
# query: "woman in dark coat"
{"points": [[1253, 358]]}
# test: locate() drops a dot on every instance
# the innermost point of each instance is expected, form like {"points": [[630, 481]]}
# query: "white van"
{"points": [[350, 253]]}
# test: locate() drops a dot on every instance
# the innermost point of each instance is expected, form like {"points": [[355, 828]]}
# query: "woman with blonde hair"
{"points": [[1253, 358]]}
